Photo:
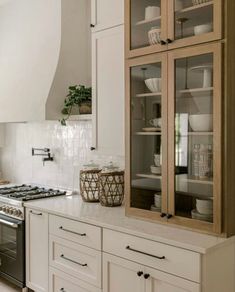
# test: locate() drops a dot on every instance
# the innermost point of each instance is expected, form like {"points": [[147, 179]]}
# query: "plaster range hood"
{"points": [[44, 48]]}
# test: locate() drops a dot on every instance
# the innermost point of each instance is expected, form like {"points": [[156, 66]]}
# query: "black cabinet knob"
{"points": [[169, 41], [169, 216], [146, 276], [163, 215], [139, 274], [92, 25], [163, 43], [92, 148]]}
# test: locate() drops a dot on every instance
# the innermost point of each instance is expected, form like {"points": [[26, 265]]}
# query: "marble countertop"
{"points": [[114, 218]]}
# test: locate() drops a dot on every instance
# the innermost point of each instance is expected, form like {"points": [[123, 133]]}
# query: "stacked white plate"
{"points": [[204, 217]]}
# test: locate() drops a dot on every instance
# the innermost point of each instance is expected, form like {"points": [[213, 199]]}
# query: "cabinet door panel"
{"points": [[107, 13], [192, 22], [147, 135], [37, 250], [108, 90], [162, 282], [195, 140], [121, 275]]}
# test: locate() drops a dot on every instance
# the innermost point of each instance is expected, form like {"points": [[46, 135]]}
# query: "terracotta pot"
{"points": [[85, 108]]}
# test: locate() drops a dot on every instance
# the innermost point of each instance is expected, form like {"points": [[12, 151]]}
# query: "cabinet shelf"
{"points": [[194, 8], [192, 179], [196, 91], [157, 21], [149, 175], [149, 94], [148, 133]]}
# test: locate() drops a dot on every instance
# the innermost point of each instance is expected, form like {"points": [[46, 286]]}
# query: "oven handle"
{"points": [[13, 225]]}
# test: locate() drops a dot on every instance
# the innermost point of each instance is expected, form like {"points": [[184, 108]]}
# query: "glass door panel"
{"points": [[147, 124], [196, 145], [194, 21], [148, 24]]}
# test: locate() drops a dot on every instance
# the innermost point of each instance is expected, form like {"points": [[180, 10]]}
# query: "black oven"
{"points": [[12, 250]]}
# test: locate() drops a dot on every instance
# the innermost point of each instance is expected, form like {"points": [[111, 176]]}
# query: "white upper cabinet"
{"points": [[40, 56], [106, 13], [108, 90]]}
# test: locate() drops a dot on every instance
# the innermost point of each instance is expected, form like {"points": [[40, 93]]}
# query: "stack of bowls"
{"points": [[201, 122], [204, 210], [154, 36]]}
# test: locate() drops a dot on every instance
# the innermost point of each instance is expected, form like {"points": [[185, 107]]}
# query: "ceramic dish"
{"points": [[151, 129], [198, 216], [154, 84], [201, 122], [203, 28], [155, 209], [154, 36], [156, 169], [197, 2]]}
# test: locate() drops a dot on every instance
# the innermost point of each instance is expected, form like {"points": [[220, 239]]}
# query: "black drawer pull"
{"points": [[73, 232], [72, 261], [146, 276], [62, 290], [140, 273], [144, 253], [34, 213]]}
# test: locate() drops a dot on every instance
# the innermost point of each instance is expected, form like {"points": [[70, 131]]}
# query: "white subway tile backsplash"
{"points": [[70, 146]]}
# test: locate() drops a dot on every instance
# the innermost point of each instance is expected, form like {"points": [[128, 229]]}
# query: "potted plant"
{"points": [[78, 100]]}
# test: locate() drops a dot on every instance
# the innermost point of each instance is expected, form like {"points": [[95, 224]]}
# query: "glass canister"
{"points": [[89, 182], [111, 186]]}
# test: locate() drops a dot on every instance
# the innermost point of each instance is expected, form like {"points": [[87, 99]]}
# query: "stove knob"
{"points": [[4, 208], [7, 209], [1, 208], [10, 211], [16, 212]]}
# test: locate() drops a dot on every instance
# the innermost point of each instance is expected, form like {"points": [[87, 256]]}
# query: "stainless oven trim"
{"points": [[10, 224]]}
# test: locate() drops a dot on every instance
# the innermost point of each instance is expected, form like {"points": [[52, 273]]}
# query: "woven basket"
{"points": [[89, 185], [111, 188]]}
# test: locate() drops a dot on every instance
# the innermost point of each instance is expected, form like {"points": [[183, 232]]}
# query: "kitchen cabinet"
{"points": [[123, 275], [106, 14], [108, 90], [37, 250], [179, 125], [154, 26]]}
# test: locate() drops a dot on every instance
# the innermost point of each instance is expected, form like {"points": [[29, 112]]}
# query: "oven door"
{"points": [[12, 250]]}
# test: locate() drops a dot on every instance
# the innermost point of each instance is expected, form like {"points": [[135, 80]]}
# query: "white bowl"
{"points": [[158, 200], [154, 84], [156, 169], [201, 123], [154, 36], [204, 207], [203, 28]]}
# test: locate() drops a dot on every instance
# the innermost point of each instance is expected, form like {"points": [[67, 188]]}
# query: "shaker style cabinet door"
{"points": [[146, 137], [120, 275], [157, 281], [194, 148], [108, 90], [37, 250], [106, 14]]}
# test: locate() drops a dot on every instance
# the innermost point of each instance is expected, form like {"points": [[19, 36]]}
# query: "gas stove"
{"points": [[12, 198]]}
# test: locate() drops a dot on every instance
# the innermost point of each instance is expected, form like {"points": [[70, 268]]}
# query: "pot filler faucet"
{"points": [[44, 152]]}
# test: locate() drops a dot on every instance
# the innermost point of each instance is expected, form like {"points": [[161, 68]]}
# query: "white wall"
{"points": [[70, 145]]}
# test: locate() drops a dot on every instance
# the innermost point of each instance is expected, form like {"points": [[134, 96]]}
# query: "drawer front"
{"points": [[60, 281], [159, 256], [76, 260], [78, 232]]}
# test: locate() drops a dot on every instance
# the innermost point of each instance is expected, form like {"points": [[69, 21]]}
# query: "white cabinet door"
{"points": [[37, 250], [106, 14], [156, 281], [108, 90], [120, 275]]}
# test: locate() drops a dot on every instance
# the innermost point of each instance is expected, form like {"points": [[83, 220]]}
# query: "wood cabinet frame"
{"points": [[167, 29], [216, 50], [155, 58]]}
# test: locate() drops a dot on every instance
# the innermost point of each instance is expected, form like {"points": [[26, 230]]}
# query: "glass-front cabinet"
{"points": [[174, 127], [148, 136], [159, 25]]}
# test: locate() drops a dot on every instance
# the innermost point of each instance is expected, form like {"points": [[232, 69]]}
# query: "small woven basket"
{"points": [[89, 185], [111, 188]]}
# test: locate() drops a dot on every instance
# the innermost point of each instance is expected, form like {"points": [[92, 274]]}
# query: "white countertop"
{"points": [[114, 218]]}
